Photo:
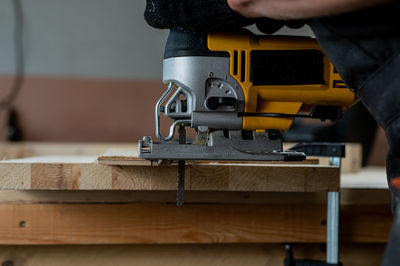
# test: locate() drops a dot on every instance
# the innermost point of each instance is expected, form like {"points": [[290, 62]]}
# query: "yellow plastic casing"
{"points": [[287, 99]]}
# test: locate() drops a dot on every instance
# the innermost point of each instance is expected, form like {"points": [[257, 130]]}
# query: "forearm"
{"points": [[298, 9]]}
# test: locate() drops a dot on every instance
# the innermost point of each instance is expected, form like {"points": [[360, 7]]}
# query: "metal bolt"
{"points": [[22, 224], [146, 139], [202, 128], [211, 74]]}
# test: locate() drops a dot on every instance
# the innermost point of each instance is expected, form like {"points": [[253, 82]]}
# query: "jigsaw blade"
{"points": [[180, 194]]}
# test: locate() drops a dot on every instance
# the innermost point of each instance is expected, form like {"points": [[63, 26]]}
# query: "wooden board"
{"points": [[15, 150], [182, 255], [123, 157], [371, 177], [81, 173], [347, 196], [192, 223]]}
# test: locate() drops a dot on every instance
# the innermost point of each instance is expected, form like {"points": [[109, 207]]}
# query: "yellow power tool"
{"points": [[244, 90]]}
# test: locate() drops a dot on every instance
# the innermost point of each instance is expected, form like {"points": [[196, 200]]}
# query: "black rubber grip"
{"points": [[181, 43]]}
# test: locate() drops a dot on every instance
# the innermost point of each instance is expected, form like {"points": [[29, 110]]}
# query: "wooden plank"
{"points": [[123, 157], [14, 150], [199, 223], [371, 177], [182, 255], [75, 173], [347, 196], [365, 223], [352, 163]]}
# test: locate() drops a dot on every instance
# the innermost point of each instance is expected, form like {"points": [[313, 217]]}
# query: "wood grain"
{"points": [[15, 150], [198, 223], [183, 255], [347, 196], [77, 173]]}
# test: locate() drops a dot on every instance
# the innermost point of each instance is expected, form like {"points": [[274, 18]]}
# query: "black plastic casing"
{"points": [[182, 43]]}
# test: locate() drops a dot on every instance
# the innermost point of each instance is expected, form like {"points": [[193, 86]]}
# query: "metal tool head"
{"points": [[220, 147]]}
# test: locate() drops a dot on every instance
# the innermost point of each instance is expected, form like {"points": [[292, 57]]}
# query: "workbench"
{"points": [[59, 194]]}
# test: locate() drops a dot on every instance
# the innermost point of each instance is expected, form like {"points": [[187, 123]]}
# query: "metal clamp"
{"points": [[332, 225]]}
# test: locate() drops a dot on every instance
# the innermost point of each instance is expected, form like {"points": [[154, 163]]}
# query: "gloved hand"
{"points": [[203, 16], [270, 26], [195, 16]]}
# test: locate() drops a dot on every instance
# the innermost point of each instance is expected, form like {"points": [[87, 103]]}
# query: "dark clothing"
{"points": [[364, 46]]}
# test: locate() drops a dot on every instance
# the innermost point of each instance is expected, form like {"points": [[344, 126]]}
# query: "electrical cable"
{"points": [[15, 88]]}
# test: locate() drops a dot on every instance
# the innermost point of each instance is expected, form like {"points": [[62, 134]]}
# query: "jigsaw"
{"points": [[241, 91]]}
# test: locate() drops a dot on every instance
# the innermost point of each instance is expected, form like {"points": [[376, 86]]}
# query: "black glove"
{"points": [[270, 26], [203, 16], [195, 16]]}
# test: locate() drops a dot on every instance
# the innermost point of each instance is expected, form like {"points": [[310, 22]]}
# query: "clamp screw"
{"points": [[146, 139]]}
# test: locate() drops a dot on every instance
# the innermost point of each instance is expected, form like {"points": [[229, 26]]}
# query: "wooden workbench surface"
{"points": [[225, 202], [85, 173]]}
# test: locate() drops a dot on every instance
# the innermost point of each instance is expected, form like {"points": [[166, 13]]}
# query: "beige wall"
{"points": [[71, 109]]}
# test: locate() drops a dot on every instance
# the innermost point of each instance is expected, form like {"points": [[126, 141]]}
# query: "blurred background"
{"points": [[90, 71]]}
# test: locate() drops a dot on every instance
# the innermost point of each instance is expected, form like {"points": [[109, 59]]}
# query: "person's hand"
{"points": [[299, 9], [193, 15], [270, 26], [202, 16]]}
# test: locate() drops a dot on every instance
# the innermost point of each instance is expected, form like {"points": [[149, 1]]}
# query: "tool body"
{"points": [[243, 90]]}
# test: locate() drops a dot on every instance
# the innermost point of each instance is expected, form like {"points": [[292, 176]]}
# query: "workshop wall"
{"points": [[90, 38], [93, 70]]}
